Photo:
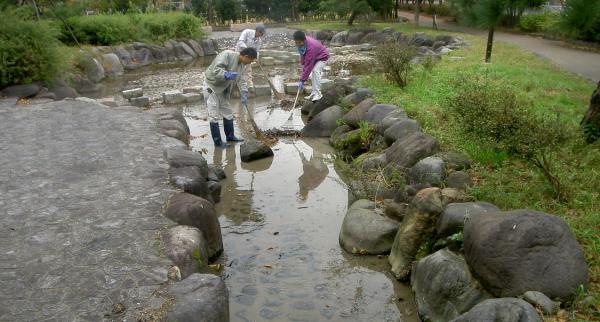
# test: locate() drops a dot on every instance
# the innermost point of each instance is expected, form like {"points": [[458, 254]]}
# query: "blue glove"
{"points": [[244, 96], [300, 85], [230, 75]]}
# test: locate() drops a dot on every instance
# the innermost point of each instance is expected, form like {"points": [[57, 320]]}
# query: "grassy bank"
{"points": [[503, 179]]}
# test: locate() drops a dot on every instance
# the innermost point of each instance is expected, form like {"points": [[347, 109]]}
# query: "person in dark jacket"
{"points": [[313, 56]]}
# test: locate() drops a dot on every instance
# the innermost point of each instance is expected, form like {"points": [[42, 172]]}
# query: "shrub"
{"points": [[492, 112], [546, 21], [582, 19], [115, 29], [395, 59], [29, 51]]}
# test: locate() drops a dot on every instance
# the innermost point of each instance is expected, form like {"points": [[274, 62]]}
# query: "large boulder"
{"points": [[455, 160], [378, 112], [63, 91], [179, 158], [391, 119], [324, 35], [329, 99], [21, 91], [459, 180], [209, 47], [175, 126], [94, 70], [355, 37], [523, 250], [199, 298], [188, 50], [112, 65], [340, 38], [324, 123], [159, 54], [197, 47], [455, 215], [336, 135], [501, 310], [122, 54], [187, 209], [354, 98], [356, 114], [185, 247], [444, 287], [254, 150], [190, 180], [402, 128], [407, 151], [366, 232], [418, 226], [429, 171]]}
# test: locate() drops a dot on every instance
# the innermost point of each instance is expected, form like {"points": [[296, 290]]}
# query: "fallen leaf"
{"points": [[268, 266]]}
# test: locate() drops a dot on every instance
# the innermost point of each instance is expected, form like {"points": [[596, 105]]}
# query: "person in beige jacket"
{"points": [[227, 69]]}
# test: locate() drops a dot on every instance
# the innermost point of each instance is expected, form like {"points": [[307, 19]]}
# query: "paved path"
{"points": [[81, 191], [583, 63]]}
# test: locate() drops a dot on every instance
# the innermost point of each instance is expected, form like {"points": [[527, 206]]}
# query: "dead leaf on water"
{"points": [[268, 266]]}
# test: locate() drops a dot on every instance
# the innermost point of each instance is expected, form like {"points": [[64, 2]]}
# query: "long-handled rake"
{"points": [[278, 95], [290, 121]]}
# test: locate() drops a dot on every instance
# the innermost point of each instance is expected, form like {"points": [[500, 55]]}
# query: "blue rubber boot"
{"points": [[216, 135], [228, 126]]}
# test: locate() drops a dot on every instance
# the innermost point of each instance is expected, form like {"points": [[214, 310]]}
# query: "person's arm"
{"points": [[220, 66], [241, 43]]}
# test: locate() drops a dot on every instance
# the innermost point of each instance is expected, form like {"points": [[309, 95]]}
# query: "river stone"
{"points": [[21, 91], [185, 247], [337, 134], [401, 129], [143, 101], [62, 92], [417, 227], [378, 112], [339, 38], [459, 180], [324, 35], [454, 216], [455, 160], [444, 287], [252, 150], [174, 126], [168, 142], [352, 99], [367, 233], [324, 123], [209, 47], [159, 54], [187, 209], [199, 298], [94, 70], [539, 299], [430, 171], [190, 180], [131, 93], [307, 107], [112, 65], [216, 173], [356, 114], [523, 250], [179, 158], [392, 118], [122, 54], [394, 209], [169, 113], [214, 189], [196, 47], [407, 151], [501, 310], [355, 37], [188, 50], [141, 57], [374, 162], [329, 99]]}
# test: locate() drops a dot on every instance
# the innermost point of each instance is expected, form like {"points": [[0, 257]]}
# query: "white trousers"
{"points": [[218, 105], [315, 77]]}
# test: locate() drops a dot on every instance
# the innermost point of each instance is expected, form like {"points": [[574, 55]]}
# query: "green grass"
{"points": [[500, 178]]}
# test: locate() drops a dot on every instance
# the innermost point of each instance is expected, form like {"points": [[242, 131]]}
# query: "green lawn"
{"points": [[501, 179]]}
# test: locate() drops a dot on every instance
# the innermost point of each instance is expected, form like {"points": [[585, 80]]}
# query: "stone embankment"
{"points": [[466, 260]]}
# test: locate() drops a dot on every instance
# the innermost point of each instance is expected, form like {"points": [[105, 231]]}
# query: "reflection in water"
{"points": [[314, 171]]}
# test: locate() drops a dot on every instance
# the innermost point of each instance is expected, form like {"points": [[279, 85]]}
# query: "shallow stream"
{"points": [[281, 219]]}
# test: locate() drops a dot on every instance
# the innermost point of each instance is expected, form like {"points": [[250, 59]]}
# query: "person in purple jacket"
{"points": [[313, 56]]}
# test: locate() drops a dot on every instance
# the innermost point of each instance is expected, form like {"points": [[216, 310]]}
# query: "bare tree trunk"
{"points": [[396, 9], [36, 9], [352, 17], [591, 121], [417, 11], [490, 42]]}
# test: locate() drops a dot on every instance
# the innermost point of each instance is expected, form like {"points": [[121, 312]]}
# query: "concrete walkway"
{"points": [[81, 191], [583, 63]]}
